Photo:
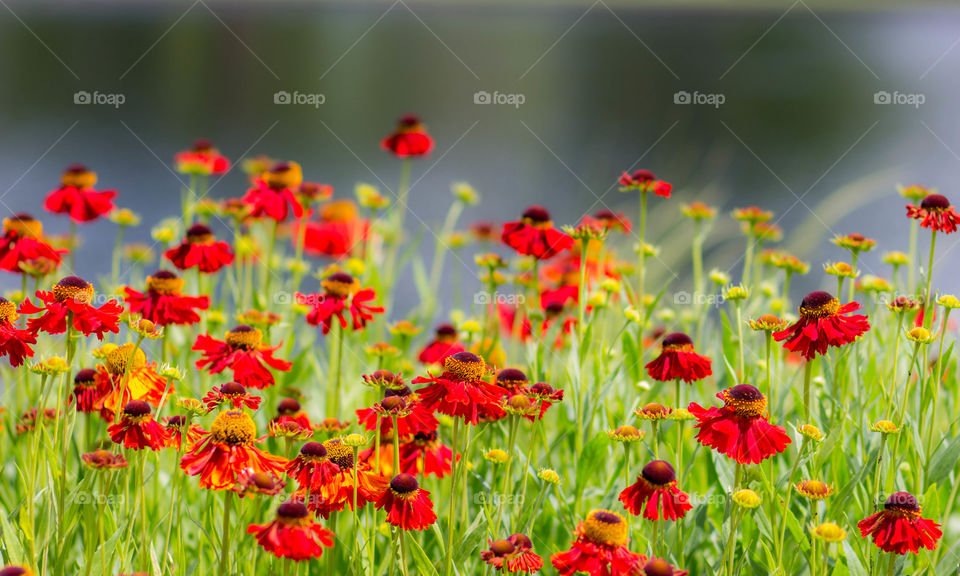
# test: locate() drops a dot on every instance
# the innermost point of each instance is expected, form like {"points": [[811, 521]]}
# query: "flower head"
{"points": [[409, 140], [244, 353], [828, 532], [202, 158], [823, 322], [644, 181], [746, 498], [137, 429], [739, 429], [534, 235], [655, 494], [512, 555], [936, 213], [292, 534], [599, 548], [76, 197], [407, 505], [200, 249], [899, 528], [678, 361]]}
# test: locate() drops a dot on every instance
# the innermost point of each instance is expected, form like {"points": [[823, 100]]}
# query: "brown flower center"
{"points": [[73, 288], [819, 304], [606, 528], [118, 359], [746, 400], [245, 337], [465, 367]]}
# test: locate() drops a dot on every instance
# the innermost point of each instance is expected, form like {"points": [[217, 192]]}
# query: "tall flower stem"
{"points": [[891, 479], [511, 447], [853, 282], [117, 250], [912, 256], [336, 365], [356, 512], [786, 503], [641, 254], [453, 498], [896, 357], [267, 272], [938, 377], [225, 539], [146, 543], [740, 339], [748, 259], [927, 304], [807, 373]]}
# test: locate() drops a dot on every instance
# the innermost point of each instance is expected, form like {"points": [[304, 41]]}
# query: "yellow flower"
{"points": [[626, 433], [610, 285], [355, 440], [404, 328], [920, 335], [719, 278], [355, 266], [915, 192], [746, 498], [811, 432], [828, 532], [949, 301], [840, 269], [369, 196], [548, 475], [632, 314], [698, 211], [767, 323], [736, 293], [896, 259], [496, 456], [465, 193], [52, 365], [124, 217], [884, 427], [814, 489]]}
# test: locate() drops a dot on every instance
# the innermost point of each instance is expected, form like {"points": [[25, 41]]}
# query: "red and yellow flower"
{"points": [[292, 534], [23, 244], [77, 198], [339, 232], [163, 302], [244, 352], [444, 343], [14, 342], [512, 556], [341, 294], [337, 491], [273, 194], [89, 389], [460, 391], [202, 159], [73, 297], [644, 181], [899, 527], [600, 548], [137, 429], [407, 505], [409, 140], [936, 213], [823, 322], [534, 235], [200, 249], [678, 361], [126, 375], [655, 494], [232, 394], [740, 429], [425, 454]]}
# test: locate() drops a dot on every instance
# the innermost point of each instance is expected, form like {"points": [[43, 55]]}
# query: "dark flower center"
{"points": [[263, 481], [903, 502], [606, 517], [654, 408], [73, 282], [642, 175], [288, 406], [402, 392], [76, 168], [409, 120], [392, 403], [658, 567], [341, 277], [233, 389], [502, 547], [177, 421], [164, 275], [292, 510], [136, 408], [677, 339], [605, 215], [22, 217], [659, 472], [816, 299], [85, 376], [201, 144], [542, 388], [404, 484], [745, 393], [521, 541], [446, 330], [13, 571], [935, 202], [511, 376], [536, 214], [339, 454], [314, 449]]}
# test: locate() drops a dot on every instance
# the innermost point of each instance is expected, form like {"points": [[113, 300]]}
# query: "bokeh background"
{"points": [[799, 131]]}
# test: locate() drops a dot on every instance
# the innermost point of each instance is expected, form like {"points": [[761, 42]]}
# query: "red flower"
{"points": [[412, 416], [125, 376], [137, 429], [600, 548], [409, 140], [644, 181], [22, 242], [289, 410], [534, 235], [408, 506], [460, 390], [227, 451], [178, 429], [444, 344], [608, 220], [77, 198], [898, 528], [336, 492], [292, 535], [338, 233], [163, 303], [244, 353], [232, 394], [201, 159], [273, 193], [89, 389], [655, 494], [426, 455], [935, 213], [200, 249], [740, 428], [14, 342], [658, 567], [73, 296], [678, 361], [341, 293], [513, 555], [823, 322], [311, 468]]}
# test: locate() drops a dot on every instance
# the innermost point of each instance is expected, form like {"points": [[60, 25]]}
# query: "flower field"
{"points": [[245, 396]]}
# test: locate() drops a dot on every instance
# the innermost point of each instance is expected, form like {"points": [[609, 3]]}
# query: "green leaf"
{"points": [[950, 563], [944, 461], [591, 459], [472, 538], [424, 566], [11, 541], [854, 566]]}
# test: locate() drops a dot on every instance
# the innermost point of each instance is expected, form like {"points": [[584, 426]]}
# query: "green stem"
{"points": [[453, 499], [927, 304], [225, 539]]}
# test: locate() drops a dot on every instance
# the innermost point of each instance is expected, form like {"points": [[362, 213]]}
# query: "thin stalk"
{"points": [[453, 499], [927, 304], [225, 539]]}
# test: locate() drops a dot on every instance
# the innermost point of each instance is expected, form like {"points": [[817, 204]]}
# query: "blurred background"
{"points": [[815, 110]]}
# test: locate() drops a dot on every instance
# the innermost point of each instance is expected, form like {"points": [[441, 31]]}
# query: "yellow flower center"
{"points": [[286, 175], [829, 308], [8, 311], [465, 367], [339, 288], [81, 293], [246, 339], [234, 428], [606, 527], [339, 453], [81, 179], [814, 489], [23, 227], [339, 211], [173, 286], [118, 358]]}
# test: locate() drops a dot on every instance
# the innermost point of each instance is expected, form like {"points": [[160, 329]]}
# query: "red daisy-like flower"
{"points": [[443, 344], [14, 342], [899, 528], [936, 213], [77, 198], [739, 429], [249, 482], [137, 429], [512, 556], [73, 296], [341, 293], [608, 220], [232, 394], [273, 195], [678, 361], [408, 506], [163, 303], [425, 454], [227, 451], [339, 232], [203, 159], [179, 431], [311, 468], [655, 494], [126, 375], [644, 181], [409, 140], [336, 492], [89, 390], [292, 534], [600, 548], [22, 243], [244, 352], [289, 410], [412, 416], [659, 567], [200, 249], [534, 235], [460, 390], [545, 394], [823, 322]]}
